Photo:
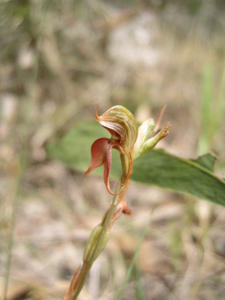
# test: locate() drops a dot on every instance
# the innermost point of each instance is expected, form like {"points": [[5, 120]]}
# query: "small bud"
{"points": [[92, 242], [153, 141], [144, 132], [149, 135]]}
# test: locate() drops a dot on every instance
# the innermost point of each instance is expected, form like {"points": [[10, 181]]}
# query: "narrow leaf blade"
{"points": [[181, 175]]}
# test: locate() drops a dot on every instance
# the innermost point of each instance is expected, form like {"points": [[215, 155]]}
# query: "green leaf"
{"points": [[74, 148], [157, 167], [178, 174]]}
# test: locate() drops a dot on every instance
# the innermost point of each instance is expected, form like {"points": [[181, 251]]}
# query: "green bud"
{"points": [[152, 142], [92, 242], [144, 132], [144, 143]]}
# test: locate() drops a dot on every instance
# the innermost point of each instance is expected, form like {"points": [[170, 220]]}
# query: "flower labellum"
{"points": [[101, 153]]}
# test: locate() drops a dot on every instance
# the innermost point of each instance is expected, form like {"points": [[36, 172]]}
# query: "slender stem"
{"points": [[81, 278]]}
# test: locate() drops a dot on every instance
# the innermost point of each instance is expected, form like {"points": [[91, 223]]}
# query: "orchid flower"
{"points": [[122, 126], [126, 138]]}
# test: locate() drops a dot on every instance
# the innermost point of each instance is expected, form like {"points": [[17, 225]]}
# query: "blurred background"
{"points": [[58, 61]]}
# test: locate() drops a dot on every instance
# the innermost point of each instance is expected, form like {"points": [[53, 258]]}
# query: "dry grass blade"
{"points": [[11, 234], [132, 264]]}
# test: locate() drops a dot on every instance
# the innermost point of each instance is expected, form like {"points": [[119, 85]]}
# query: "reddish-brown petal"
{"points": [[98, 153], [107, 168], [101, 153], [159, 118]]}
